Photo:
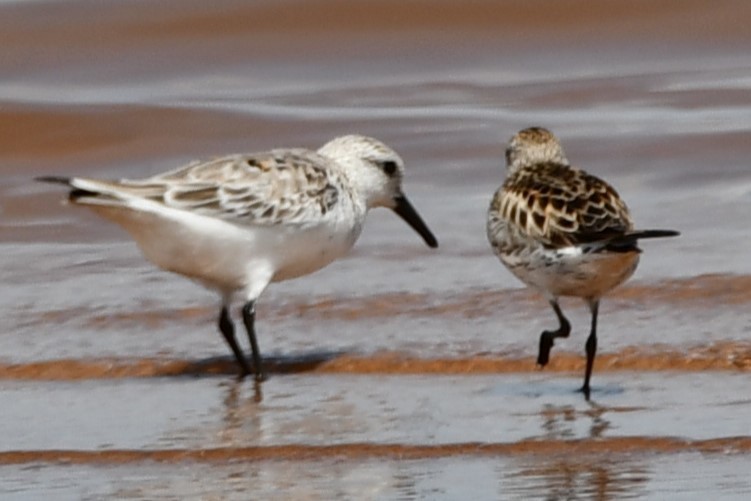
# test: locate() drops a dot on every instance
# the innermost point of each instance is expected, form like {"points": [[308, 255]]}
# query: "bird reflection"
{"points": [[242, 413], [590, 475], [560, 421], [577, 477]]}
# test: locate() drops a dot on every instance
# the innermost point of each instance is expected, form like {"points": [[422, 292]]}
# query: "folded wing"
{"points": [[276, 187], [563, 206]]}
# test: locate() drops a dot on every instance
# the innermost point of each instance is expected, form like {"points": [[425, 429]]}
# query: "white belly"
{"points": [[572, 273], [226, 256]]}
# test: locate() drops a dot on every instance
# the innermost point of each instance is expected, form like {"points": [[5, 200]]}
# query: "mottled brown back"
{"points": [[561, 205]]}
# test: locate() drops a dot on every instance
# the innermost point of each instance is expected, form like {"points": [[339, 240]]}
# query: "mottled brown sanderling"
{"points": [[238, 223], [562, 231]]}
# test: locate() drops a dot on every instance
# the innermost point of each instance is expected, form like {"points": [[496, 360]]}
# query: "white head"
{"points": [[376, 172], [532, 146]]}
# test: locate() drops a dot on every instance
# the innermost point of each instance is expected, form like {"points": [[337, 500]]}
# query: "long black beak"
{"points": [[410, 215]]}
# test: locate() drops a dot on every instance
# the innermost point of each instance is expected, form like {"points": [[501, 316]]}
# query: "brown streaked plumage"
{"points": [[563, 205], [562, 231]]}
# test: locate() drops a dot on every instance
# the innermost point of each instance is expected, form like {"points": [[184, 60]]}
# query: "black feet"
{"points": [[546, 344], [249, 318], [591, 348], [586, 391], [227, 328], [547, 338]]}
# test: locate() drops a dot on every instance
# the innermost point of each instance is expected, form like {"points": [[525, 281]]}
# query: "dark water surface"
{"points": [[398, 372]]}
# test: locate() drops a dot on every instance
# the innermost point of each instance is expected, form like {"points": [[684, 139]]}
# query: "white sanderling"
{"points": [[562, 231], [238, 223]]}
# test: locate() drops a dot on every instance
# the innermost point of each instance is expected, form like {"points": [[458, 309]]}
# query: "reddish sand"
{"points": [[548, 448], [398, 353], [724, 356]]}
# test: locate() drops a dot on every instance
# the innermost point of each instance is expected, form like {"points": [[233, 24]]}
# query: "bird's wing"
{"points": [[288, 187], [562, 206]]}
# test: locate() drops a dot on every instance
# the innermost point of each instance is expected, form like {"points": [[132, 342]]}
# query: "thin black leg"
{"points": [[547, 338], [249, 317], [591, 347], [227, 328]]}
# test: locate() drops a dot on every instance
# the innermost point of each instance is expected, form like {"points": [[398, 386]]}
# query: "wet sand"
{"points": [[644, 434], [398, 372], [523, 477]]}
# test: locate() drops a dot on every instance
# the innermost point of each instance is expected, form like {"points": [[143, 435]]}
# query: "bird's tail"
{"points": [[639, 234], [628, 241], [87, 191], [55, 180]]}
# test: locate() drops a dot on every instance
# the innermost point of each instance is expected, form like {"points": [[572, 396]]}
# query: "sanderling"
{"points": [[238, 223], [562, 231]]}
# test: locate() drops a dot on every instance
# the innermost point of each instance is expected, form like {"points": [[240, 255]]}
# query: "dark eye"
{"points": [[389, 167]]}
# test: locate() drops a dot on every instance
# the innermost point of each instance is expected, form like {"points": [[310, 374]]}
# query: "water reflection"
{"points": [[575, 476], [572, 477], [242, 420], [565, 421]]}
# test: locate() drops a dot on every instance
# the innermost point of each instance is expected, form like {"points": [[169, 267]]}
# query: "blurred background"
{"points": [[406, 345]]}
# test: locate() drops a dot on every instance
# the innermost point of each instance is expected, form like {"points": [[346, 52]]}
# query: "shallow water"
{"points": [[616, 477], [103, 357]]}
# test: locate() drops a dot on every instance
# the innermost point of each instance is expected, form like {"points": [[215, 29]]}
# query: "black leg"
{"points": [[547, 338], [228, 331], [591, 347], [249, 317]]}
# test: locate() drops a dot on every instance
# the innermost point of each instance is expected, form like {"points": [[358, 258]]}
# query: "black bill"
{"points": [[410, 215]]}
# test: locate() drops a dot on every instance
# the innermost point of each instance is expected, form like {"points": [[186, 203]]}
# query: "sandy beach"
{"points": [[397, 372]]}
